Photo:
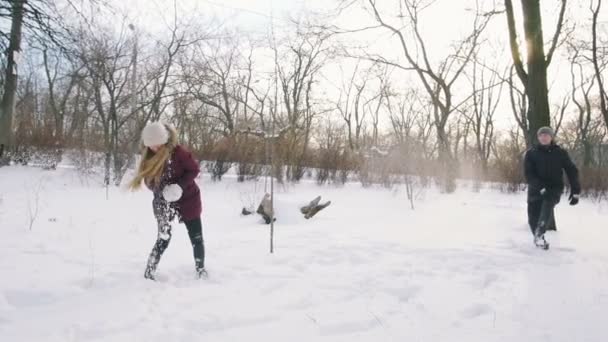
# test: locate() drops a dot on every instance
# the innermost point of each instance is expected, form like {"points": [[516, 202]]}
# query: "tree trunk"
{"points": [[603, 94], [7, 105], [536, 87], [107, 140], [587, 153], [447, 162], [535, 79]]}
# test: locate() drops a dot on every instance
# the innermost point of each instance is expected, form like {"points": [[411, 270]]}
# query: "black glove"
{"points": [[573, 199]]}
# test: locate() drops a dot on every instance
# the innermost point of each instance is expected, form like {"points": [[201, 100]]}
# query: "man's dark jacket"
{"points": [[544, 168]]}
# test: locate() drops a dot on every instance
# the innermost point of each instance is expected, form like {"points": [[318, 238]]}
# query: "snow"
{"points": [[460, 267], [172, 192]]}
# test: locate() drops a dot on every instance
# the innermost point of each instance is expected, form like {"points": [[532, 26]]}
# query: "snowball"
{"points": [[172, 192]]}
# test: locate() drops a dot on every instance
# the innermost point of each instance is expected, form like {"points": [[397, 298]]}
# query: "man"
{"points": [[544, 166]]}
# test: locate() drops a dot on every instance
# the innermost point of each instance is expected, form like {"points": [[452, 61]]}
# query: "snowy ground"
{"points": [[458, 268]]}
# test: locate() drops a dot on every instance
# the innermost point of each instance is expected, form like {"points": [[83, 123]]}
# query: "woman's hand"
{"points": [[172, 193]]}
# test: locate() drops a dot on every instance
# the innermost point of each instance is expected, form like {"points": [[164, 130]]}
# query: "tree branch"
{"points": [[558, 30], [517, 62]]}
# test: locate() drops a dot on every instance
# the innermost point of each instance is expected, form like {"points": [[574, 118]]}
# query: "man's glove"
{"points": [[172, 193], [574, 199], [543, 191]]}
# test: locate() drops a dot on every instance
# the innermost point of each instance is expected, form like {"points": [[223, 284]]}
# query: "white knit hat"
{"points": [[154, 134]]}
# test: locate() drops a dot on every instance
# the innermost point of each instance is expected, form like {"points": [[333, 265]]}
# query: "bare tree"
{"points": [[425, 129], [534, 79], [485, 104], [297, 70], [519, 103], [211, 77], [7, 104], [459, 130], [376, 103], [153, 90], [557, 117], [403, 115], [582, 88], [61, 84], [42, 19], [363, 96], [123, 100], [349, 105], [438, 81], [487, 91], [108, 65], [599, 63]]}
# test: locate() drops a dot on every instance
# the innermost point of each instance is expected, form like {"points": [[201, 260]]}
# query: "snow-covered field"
{"points": [[460, 267]]}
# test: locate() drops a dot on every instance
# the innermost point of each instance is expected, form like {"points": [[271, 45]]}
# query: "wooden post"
{"points": [[272, 190]]}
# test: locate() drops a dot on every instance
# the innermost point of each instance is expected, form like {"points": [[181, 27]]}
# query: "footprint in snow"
{"points": [[486, 281], [476, 310], [404, 294]]}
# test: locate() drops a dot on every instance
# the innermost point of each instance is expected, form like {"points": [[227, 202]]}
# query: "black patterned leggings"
{"points": [[164, 215]]}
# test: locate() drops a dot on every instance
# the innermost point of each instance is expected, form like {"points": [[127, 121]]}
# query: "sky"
{"points": [[441, 24]]}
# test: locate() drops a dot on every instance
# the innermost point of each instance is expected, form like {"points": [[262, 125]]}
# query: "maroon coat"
{"points": [[182, 169]]}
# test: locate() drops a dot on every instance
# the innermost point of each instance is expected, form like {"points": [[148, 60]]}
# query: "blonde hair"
{"points": [[152, 164]]}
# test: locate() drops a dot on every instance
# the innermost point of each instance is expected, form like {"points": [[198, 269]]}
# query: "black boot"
{"points": [[157, 251], [195, 232], [149, 274], [539, 238], [199, 263], [540, 242], [202, 273]]}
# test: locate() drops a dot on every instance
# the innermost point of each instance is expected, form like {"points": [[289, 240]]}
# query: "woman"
{"points": [[169, 171]]}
